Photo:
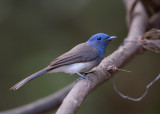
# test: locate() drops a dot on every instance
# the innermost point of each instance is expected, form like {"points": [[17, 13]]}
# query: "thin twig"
{"points": [[139, 98]]}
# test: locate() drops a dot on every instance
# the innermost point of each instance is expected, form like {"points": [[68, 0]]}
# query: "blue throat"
{"points": [[99, 47]]}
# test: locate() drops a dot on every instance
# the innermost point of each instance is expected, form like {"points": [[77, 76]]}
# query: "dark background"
{"points": [[33, 33]]}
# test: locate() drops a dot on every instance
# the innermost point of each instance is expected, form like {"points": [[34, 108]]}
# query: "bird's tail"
{"points": [[31, 77]]}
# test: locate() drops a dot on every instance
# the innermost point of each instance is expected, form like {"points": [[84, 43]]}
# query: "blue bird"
{"points": [[78, 60]]}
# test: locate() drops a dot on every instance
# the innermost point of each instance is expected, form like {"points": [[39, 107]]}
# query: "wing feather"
{"points": [[80, 53]]}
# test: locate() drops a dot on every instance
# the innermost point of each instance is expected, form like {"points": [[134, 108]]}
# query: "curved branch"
{"points": [[103, 72], [42, 105]]}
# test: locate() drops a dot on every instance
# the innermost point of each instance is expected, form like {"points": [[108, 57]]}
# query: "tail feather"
{"points": [[29, 78]]}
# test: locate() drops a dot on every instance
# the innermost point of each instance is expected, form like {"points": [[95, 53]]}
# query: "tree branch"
{"points": [[48, 103], [130, 47]]}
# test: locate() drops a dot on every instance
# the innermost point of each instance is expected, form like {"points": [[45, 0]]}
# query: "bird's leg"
{"points": [[83, 77]]}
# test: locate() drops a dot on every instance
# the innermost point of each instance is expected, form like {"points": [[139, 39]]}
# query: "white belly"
{"points": [[75, 68]]}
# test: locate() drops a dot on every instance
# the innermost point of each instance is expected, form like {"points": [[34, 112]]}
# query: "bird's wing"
{"points": [[80, 53]]}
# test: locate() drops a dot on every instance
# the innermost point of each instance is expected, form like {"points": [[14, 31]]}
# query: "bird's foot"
{"points": [[85, 73], [83, 77]]}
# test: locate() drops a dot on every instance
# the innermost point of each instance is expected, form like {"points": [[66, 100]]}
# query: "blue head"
{"points": [[100, 41]]}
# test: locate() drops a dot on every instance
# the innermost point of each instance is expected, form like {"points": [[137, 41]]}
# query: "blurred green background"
{"points": [[34, 32]]}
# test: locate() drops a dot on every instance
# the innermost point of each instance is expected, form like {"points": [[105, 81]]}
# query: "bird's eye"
{"points": [[99, 38]]}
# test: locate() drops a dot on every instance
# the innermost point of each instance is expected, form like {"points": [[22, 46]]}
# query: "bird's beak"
{"points": [[112, 38]]}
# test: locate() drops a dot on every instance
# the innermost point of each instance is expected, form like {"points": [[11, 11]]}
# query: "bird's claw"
{"points": [[85, 73], [88, 78]]}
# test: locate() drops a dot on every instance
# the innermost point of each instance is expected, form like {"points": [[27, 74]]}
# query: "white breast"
{"points": [[75, 68]]}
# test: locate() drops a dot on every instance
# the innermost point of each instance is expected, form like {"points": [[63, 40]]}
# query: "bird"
{"points": [[80, 59]]}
